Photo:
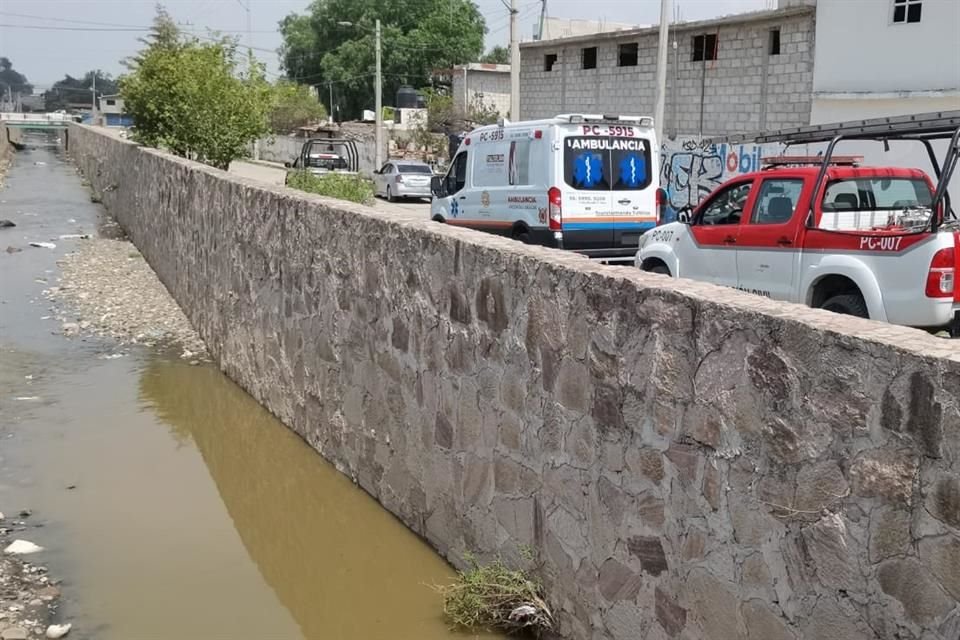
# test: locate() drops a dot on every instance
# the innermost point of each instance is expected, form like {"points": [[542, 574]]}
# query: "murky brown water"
{"points": [[195, 513]]}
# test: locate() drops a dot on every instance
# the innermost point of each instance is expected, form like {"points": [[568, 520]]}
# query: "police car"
{"points": [[588, 183]]}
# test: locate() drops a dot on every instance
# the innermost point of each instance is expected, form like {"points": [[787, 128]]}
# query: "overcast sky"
{"points": [[66, 42]]}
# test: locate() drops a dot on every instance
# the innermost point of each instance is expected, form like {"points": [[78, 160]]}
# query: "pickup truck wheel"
{"points": [[661, 269], [389, 195], [850, 304]]}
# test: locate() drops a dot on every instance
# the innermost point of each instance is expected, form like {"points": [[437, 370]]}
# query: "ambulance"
{"points": [[586, 183]]}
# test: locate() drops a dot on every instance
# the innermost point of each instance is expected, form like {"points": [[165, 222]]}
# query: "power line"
{"points": [[112, 24]]}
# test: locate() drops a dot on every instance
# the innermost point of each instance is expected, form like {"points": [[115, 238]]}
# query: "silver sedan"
{"points": [[403, 179]]}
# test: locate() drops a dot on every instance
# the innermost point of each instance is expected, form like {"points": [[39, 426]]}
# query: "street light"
{"points": [[378, 99]]}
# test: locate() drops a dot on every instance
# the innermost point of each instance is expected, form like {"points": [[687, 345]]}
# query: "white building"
{"points": [[885, 57], [479, 86]]}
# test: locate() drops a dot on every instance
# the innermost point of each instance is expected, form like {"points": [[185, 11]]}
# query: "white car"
{"points": [[403, 179], [588, 183]]}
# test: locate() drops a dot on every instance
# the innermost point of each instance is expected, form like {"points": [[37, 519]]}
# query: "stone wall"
{"points": [[744, 89], [685, 461]]}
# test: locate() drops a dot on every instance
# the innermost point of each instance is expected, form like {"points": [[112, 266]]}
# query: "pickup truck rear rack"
{"points": [[921, 127]]}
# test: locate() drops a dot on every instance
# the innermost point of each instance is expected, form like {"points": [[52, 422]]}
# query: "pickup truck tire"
{"points": [[850, 304]]}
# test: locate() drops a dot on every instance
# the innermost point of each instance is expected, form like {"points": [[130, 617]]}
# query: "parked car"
{"points": [[403, 179], [588, 183], [874, 242]]}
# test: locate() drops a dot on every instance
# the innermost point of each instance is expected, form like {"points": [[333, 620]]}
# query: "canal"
{"points": [[171, 504]]}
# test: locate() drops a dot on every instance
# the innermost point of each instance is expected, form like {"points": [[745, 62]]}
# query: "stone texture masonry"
{"points": [[686, 461]]}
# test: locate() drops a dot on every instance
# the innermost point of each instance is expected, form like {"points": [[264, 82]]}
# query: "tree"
{"points": [[72, 90], [12, 81], [497, 55], [190, 97], [294, 105], [418, 36]]}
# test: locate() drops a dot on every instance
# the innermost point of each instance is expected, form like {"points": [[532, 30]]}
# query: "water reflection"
{"points": [[342, 565]]}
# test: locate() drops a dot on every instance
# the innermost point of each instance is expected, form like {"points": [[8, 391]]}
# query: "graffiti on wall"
{"points": [[690, 169]]}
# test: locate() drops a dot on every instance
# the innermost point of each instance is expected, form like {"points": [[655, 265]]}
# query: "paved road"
{"points": [[275, 174]]}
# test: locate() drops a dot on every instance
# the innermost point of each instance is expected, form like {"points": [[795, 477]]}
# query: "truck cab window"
{"points": [[777, 201], [727, 206]]}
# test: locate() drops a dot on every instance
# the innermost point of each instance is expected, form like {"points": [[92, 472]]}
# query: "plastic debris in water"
{"points": [[22, 547], [75, 236], [43, 245], [55, 631]]}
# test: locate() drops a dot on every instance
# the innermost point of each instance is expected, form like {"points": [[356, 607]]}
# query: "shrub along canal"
{"points": [[172, 505]]}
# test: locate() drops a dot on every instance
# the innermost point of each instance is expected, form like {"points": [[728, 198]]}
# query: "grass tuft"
{"points": [[343, 186], [495, 597]]}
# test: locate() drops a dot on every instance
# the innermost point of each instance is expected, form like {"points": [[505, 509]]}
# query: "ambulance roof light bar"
{"points": [[578, 118]]}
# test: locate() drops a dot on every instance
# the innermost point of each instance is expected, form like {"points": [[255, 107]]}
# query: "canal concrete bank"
{"points": [[684, 460]]}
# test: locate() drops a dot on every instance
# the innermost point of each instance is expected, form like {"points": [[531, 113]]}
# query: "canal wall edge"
{"points": [[683, 460]]}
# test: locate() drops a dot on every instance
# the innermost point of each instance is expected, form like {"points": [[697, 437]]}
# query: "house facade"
{"points": [[738, 73], [480, 87]]}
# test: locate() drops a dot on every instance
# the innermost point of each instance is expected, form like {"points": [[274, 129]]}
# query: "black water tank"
{"points": [[407, 97]]}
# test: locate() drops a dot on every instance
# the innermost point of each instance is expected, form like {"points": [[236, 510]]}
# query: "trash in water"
{"points": [[22, 547], [28, 398], [75, 236], [55, 631], [40, 164], [6, 224], [111, 356], [43, 245], [14, 249]]}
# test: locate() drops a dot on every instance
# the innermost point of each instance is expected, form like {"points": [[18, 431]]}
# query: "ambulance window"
{"points": [[631, 169], [585, 168], [459, 171]]}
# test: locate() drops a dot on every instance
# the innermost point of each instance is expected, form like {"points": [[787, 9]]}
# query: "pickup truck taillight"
{"points": [[556, 210], [941, 274], [399, 180]]}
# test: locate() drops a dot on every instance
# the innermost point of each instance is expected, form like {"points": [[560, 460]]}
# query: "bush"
{"points": [[342, 186], [496, 598]]}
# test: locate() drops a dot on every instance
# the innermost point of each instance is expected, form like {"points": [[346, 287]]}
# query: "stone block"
{"points": [[616, 581], [834, 553], [884, 473], [915, 589], [714, 605], [942, 555], [649, 551], [763, 623], [820, 486], [943, 498], [671, 616], [889, 533]]}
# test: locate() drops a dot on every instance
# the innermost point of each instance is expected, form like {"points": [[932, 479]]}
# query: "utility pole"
{"points": [[378, 119], [543, 17], [514, 64], [662, 69], [93, 110], [330, 84]]}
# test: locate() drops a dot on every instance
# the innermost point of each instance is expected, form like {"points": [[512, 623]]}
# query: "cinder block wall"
{"points": [[686, 461], [744, 89]]}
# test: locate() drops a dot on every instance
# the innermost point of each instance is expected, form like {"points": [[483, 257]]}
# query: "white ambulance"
{"points": [[588, 183]]}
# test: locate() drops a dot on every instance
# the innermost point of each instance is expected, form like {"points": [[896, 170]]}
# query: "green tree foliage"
{"points": [[294, 105], [12, 80], [192, 98], [418, 37], [497, 55], [72, 90]]}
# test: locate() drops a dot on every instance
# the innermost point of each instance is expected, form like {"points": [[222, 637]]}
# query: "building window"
{"points": [[774, 42], [628, 54], [705, 47], [111, 103], [589, 57], [905, 11], [548, 61]]}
